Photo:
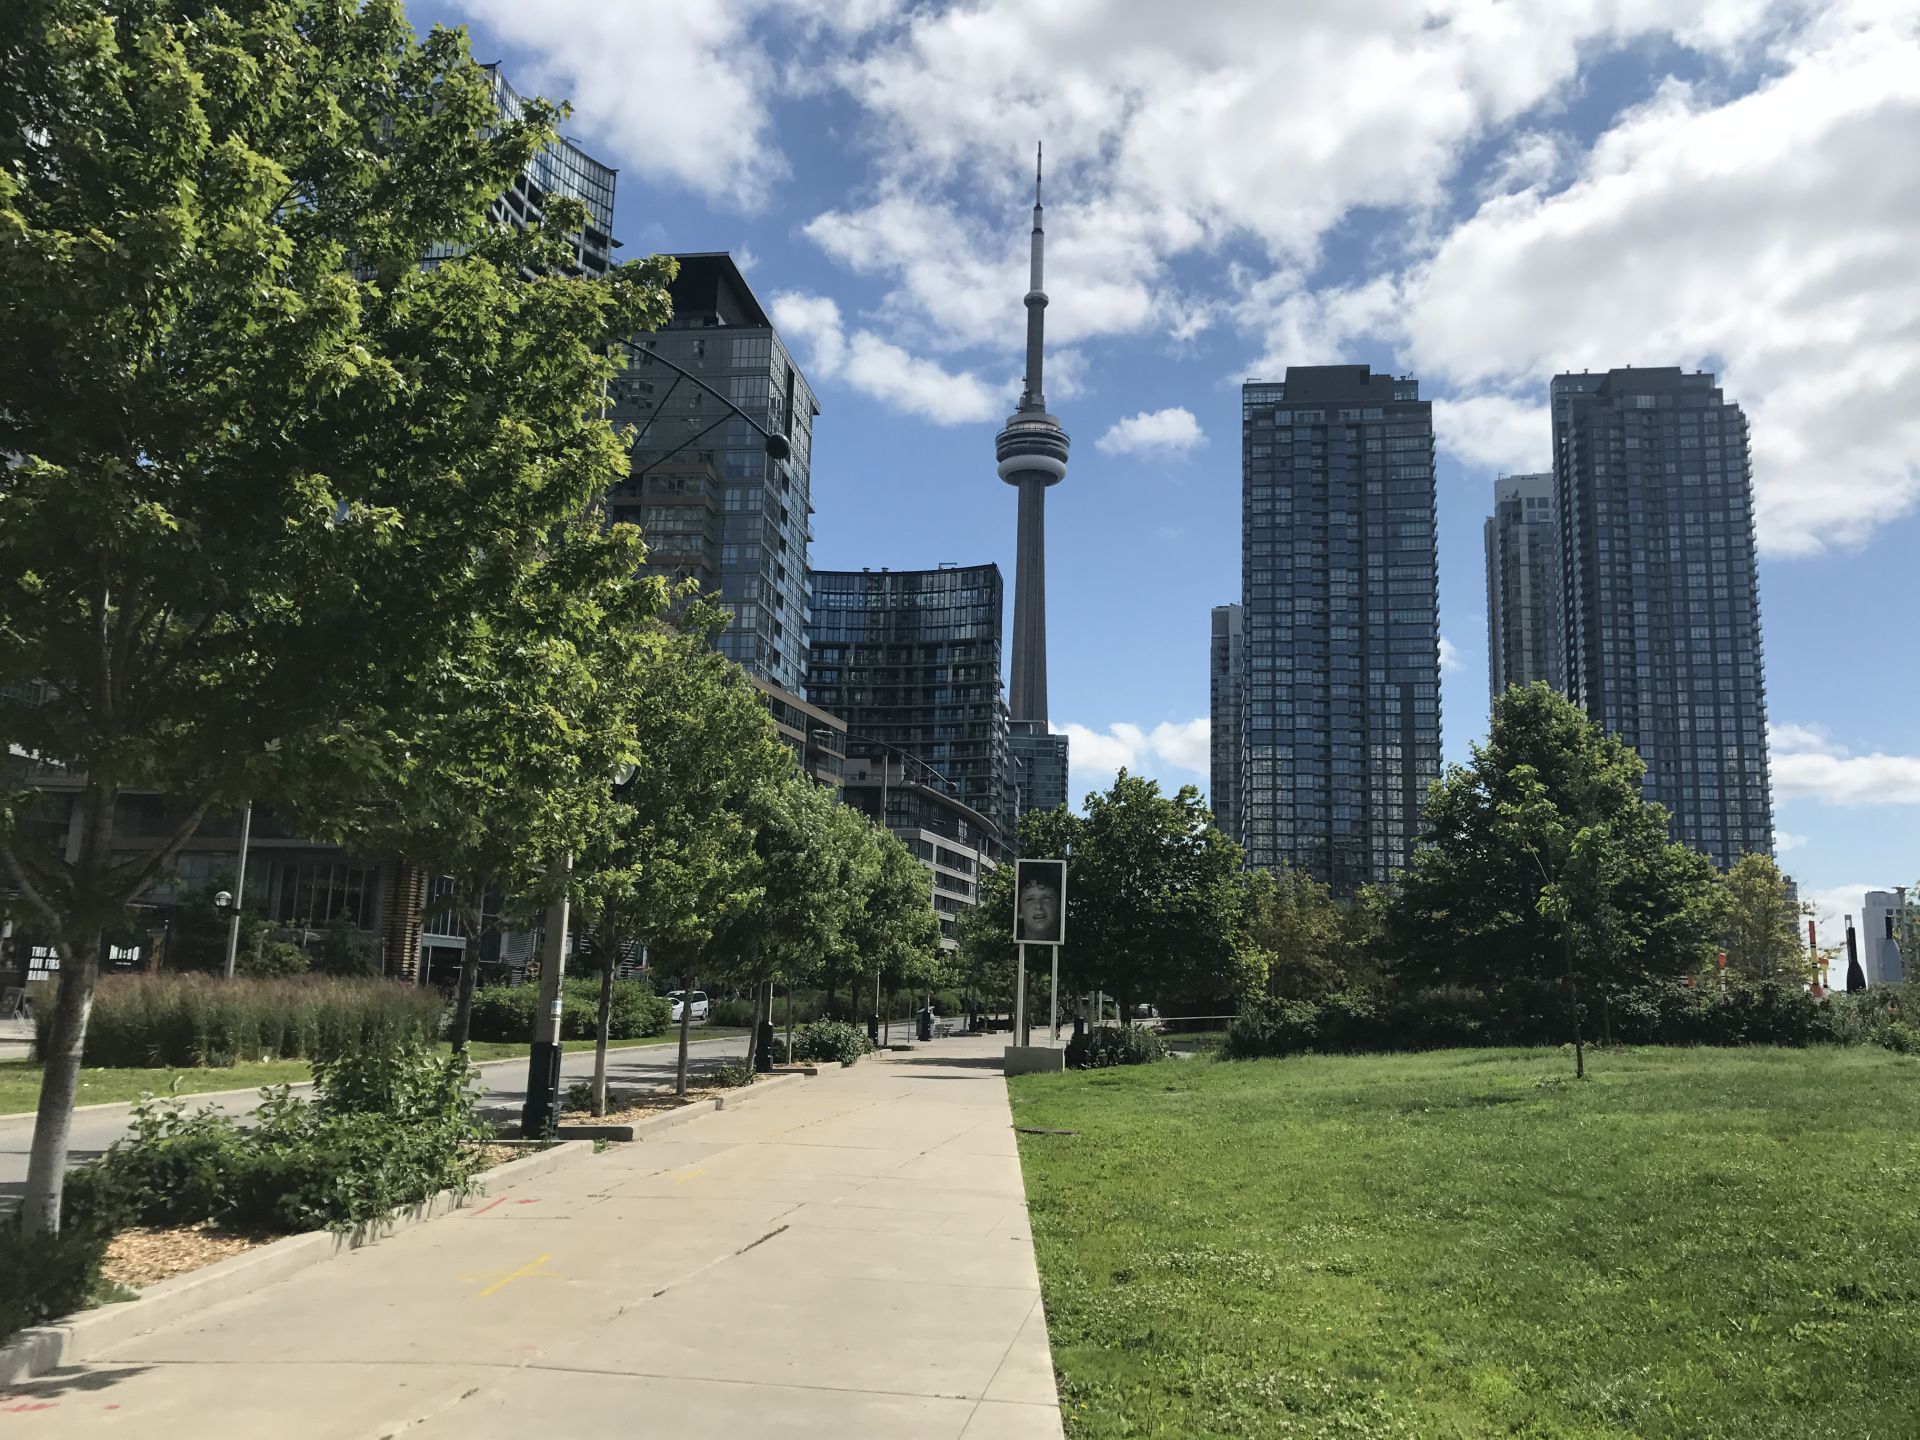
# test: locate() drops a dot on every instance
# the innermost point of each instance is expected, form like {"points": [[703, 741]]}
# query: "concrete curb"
{"points": [[668, 1119], [84, 1336]]}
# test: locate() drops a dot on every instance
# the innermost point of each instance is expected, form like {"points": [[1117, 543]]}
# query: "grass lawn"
{"points": [[20, 1079], [1709, 1244]]}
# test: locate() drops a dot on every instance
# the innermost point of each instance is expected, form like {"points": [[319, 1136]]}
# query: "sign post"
{"points": [[1039, 918]]}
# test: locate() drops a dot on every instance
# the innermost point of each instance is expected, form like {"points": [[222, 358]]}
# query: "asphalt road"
{"points": [[505, 1093]]}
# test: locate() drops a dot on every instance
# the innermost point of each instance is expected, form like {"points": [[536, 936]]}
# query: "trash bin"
{"points": [[873, 1031], [926, 1023]]}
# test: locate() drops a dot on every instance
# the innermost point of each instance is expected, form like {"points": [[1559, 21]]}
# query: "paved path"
{"points": [[847, 1257], [505, 1093]]}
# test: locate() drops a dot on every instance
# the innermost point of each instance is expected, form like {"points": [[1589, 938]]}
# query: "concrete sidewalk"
{"points": [[847, 1257]]}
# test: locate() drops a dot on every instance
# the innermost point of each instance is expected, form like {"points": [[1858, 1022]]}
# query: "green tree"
{"points": [[1298, 922], [264, 464], [1759, 922], [675, 859], [497, 765], [1158, 906], [1541, 862]]}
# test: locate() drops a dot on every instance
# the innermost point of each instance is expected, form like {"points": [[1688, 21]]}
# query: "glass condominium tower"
{"points": [[1226, 664], [1340, 591], [712, 504], [1661, 593], [1522, 542], [911, 660]]}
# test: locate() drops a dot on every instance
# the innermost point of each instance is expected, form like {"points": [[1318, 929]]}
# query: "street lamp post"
{"points": [[541, 1113], [239, 890]]}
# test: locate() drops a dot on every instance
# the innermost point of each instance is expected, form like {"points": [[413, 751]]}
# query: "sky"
{"points": [[1480, 193]]}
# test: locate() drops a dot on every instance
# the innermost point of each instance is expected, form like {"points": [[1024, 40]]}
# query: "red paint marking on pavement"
{"points": [[490, 1204], [26, 1405], [526, 1202]]}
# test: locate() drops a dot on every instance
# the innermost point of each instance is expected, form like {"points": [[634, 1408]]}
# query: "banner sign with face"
{"points": [[1040, 902]]}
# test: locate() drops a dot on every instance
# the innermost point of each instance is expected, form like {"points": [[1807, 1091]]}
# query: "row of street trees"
{"points": [[287, 519]]}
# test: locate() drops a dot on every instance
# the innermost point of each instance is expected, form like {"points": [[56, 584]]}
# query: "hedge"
{"points": [[505, 1012], [189, 1020], [1745, 1013]]}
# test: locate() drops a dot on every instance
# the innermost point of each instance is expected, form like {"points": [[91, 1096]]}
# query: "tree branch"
{"points": [[29, 889], [130, 877]]}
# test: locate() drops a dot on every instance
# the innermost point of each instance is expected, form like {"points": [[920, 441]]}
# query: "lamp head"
{"points": [[777, 446], [223, 899]]}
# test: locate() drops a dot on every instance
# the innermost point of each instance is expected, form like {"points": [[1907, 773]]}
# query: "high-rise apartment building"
{"points": [[1341, 593], [1522, 539], [1226, 663], [910, 659], [561, 168], [713, 503], [1661, 593]]}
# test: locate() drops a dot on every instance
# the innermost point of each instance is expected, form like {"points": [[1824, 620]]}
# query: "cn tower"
{"points": [[1032, 450]]}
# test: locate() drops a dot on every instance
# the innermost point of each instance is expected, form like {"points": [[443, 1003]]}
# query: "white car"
{"points": [[699, 1004]]}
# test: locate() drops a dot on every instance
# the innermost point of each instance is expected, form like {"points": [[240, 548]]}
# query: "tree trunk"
{"points": [[469, 975], [686, 1025], [60, 1081], [609, 949], [1573, 1006], [753, 1022]]}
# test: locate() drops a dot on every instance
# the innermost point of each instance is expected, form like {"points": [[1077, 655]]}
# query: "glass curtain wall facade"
{"points": [[1341, 593], [910, 659], [1522, 539], [1039, 767], [1225, 664], [561, 168], [712, 504], [1661, 593]]}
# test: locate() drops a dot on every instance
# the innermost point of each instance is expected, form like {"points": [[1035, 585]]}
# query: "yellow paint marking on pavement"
{"points": [[522, 1273], [682, 1179]]}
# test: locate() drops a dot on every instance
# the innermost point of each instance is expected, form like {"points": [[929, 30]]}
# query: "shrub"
{"points": [[1767, 1012], [505, 1012], [733, 1014], [188, 1020], [271, 960], [44, 1277], [730, 1076], [385, 1129], [827, 1040], [1107, 1045], [636, 1012]]}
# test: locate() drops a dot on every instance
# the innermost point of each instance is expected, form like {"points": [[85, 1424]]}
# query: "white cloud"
{"points": [[1808, 763], [677, 92], [1786, 841], [1095, 756], [1496, 432], [879, 368], [1763, 232], [1760, 236], [1449, 655], [1173, 431]]}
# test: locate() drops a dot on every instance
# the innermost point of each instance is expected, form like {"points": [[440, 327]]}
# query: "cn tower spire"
{"points": [[1032, 451]]}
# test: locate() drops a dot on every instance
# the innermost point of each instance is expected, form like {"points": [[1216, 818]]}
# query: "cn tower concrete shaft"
{"points": [[1027, 685]]}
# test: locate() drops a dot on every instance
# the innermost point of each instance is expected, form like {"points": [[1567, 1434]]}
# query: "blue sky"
{"points": [[1479, 194]]}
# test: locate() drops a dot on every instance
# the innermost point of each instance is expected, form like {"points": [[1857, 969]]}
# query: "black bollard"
{"points": [[763, 1048]]}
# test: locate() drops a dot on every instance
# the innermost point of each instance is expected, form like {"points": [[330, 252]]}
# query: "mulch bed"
{"points": [[143, 1256]]}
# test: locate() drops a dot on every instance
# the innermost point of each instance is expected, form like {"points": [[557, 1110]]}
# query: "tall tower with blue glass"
{"points": [[1341, 690]]}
